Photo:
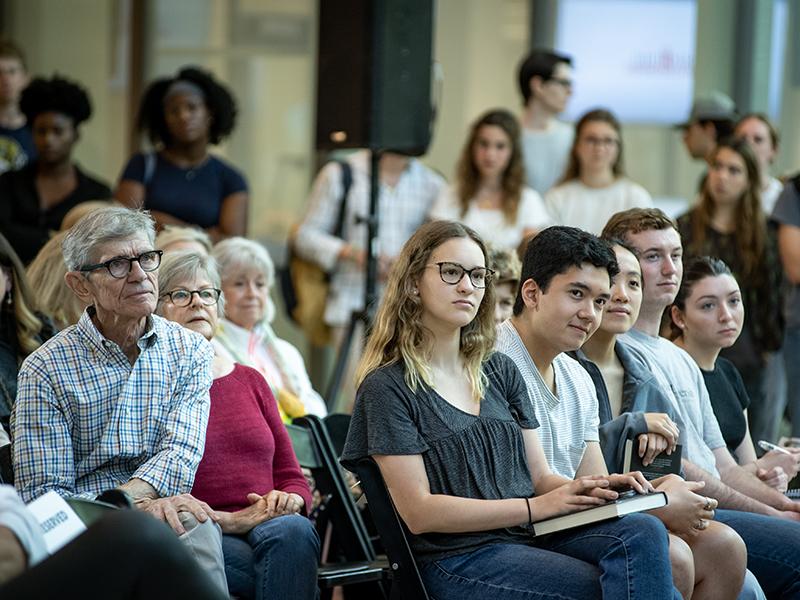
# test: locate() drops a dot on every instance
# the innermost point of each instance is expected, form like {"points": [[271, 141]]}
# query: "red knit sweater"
{"points": [[247, 446]]}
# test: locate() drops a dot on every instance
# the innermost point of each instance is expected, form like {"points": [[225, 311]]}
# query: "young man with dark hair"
{"points": [[16, 141], [773, 544], [566, 278], [545, 83]]}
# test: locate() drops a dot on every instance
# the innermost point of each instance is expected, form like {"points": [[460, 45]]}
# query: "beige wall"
{"points": [[78, 39]]}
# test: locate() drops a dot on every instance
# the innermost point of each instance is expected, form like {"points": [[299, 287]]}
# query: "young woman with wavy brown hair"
{"points": [[489, 192], [452, 429], [594, 185], [728, 223]]}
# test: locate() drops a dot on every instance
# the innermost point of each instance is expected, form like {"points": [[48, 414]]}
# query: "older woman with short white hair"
{"points": [[245, 334]]}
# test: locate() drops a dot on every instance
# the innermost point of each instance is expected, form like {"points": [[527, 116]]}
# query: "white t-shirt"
{"points": [[546, 153], [578, 205], [567, 419], [490, 223], [680, 378], [770, 195]]}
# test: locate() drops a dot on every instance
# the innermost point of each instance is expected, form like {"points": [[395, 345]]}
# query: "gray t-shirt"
{"points": [[682, 381], [787, 212], [569, 418], [464, 455]]}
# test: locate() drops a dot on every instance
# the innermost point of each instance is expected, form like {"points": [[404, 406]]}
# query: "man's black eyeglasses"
{"points": [[120, 267]]}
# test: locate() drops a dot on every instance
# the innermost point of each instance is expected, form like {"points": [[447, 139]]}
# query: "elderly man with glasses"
{"points": [[121, 399]]}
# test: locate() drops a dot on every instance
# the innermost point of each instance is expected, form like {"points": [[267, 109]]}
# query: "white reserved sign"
{"points": [[59, 522]]}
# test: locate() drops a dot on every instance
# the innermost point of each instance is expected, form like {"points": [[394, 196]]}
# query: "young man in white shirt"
{"points": [[545, 83]]}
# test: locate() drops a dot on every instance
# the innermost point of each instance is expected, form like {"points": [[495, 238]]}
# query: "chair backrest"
{"points": [[350, 531], [337, 425], [406, 580]]}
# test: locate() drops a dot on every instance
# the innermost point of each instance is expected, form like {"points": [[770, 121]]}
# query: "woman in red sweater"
{"points": [[249, 474]]}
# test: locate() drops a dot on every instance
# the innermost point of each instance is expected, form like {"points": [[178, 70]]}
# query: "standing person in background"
{"points": [[758, 131], [408, 189], [545, 82], [16, 141], [594, 186], [728, 223], [787, 216], [489, 194], [711, 120], [180, 182], [35, 199]]}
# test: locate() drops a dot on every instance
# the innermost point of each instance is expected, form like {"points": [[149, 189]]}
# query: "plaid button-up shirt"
{"points": [[402, 209], [86, 420]]}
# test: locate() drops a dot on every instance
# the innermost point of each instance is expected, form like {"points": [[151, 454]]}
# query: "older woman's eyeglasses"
{"points": [[208, 296], [452, 273], [120, 267]]}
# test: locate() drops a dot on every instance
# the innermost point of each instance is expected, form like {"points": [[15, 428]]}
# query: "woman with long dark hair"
{"points": [[728, 223], [489, 192], [594, 186]]}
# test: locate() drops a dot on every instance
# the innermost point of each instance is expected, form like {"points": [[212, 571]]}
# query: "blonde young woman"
{"points": [[594, 186], [489, 192], [452, 430], [21, 330]]}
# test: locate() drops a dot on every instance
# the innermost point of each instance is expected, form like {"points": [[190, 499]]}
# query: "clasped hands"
{"points": [[262, 508]]}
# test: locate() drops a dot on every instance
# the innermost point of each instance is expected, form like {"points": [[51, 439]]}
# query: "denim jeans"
{"points": [[622, 558], [765, 419], [773, 550], [276, 559], [791, 352]]}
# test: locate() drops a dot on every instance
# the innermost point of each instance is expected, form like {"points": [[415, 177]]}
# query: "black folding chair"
{"points": [[359, 569], [406, 581], [6, 465]]}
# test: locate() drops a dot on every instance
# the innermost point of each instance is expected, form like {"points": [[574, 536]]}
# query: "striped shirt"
{"points": [[401, 210], [568, 419], [86, 420]]}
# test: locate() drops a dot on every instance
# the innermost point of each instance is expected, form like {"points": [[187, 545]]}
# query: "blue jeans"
{"points": [[276, 559], [623, 558], [773, 550], [791, 348], [510, 572]]}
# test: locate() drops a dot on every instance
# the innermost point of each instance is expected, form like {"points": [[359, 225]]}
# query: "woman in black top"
{"points": [[452, 430], [728, 223], [707, 316], [34, 200]]}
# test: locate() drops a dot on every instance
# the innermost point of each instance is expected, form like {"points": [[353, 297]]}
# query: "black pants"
{"points": [[127, 555]]}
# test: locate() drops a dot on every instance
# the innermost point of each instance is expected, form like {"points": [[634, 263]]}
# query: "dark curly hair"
{"points": [[219, 101], [55, 95]]}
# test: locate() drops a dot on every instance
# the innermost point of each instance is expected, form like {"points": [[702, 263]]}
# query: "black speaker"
{"points": [[374, 75]]}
